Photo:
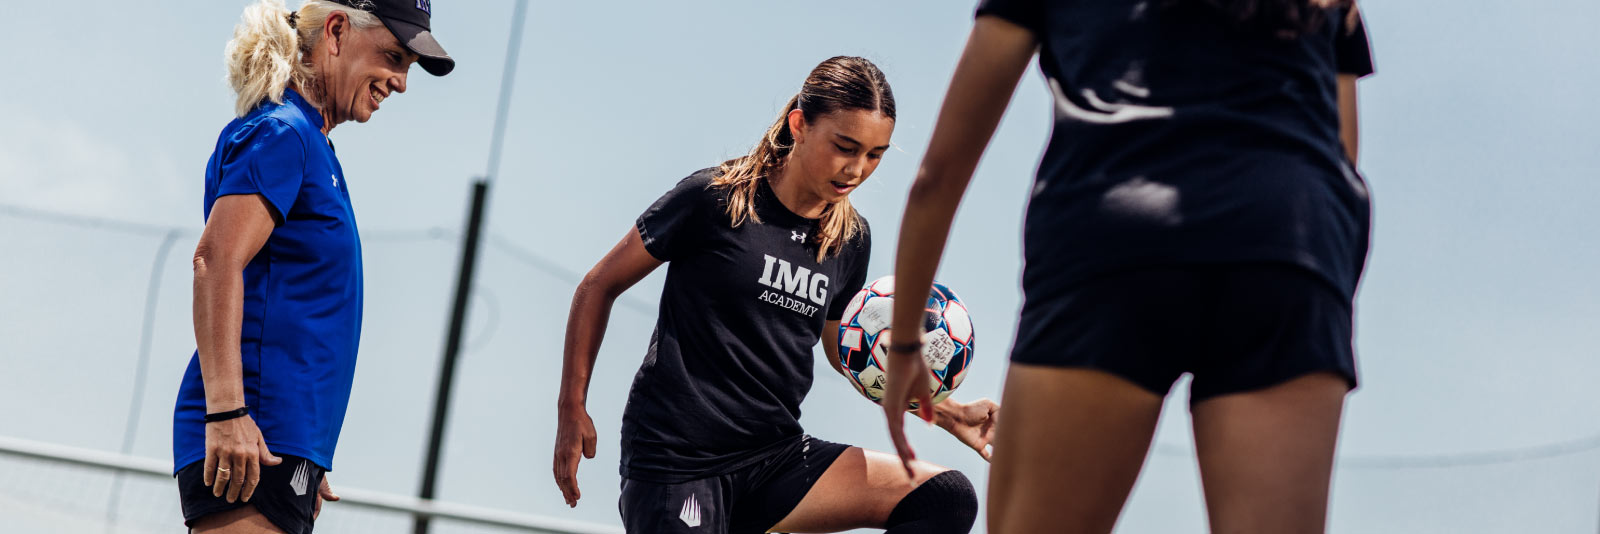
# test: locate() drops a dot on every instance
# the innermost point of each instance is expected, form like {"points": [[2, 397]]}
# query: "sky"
{"points": [[1477, 320]]}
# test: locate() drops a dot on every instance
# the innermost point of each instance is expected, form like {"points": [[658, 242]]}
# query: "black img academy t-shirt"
{"points": [[731, 356], [1181, 138]]}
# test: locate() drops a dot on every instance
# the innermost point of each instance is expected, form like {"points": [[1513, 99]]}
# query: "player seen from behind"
{"points": [[1197, 211]]}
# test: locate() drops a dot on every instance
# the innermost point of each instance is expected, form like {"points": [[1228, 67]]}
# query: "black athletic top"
{"points": [[1180, 138], [731, 356]]}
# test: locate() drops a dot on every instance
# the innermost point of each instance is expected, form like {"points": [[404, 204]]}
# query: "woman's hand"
{"points": [[620, 269], [972, 423], [905, 382], [238, 227], [235, 452], [574, 436], [324, 493], [997, 53]]}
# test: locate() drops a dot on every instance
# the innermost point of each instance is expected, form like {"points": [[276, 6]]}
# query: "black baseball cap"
{"points": [[408, 21]]}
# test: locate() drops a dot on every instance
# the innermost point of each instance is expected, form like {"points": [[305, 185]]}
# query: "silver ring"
{"points": [[222, 470]]}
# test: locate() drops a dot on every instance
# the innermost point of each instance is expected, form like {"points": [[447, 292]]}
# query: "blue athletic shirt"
{"points": [[302, 291]]}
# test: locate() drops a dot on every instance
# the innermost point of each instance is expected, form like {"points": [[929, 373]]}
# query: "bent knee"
{"points": [[945, 503]]}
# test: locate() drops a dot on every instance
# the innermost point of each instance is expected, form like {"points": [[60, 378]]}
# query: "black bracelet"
{"points": [[230, 414], [910, 346]]}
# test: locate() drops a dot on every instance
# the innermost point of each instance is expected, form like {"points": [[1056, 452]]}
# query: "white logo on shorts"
{"points": [[691, 512], [302, 478]]}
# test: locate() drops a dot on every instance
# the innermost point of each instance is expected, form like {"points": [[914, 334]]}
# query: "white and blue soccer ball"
{"points": [[947, 345]]}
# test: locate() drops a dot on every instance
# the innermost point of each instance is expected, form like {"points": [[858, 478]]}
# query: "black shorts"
{"points": [[286, 495], [749, 500], [1235, 327]]}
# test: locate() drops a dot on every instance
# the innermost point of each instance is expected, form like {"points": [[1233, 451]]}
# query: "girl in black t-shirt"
{"points": [[1196, 211], [764, 254]]}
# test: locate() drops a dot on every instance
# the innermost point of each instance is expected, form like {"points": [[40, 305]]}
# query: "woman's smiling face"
{"points": [[363, 68]]}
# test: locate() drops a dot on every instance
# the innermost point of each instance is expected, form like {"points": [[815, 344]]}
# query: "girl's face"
{"points": [[837, 152]]}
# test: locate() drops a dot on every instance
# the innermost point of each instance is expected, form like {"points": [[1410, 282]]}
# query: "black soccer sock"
{"points": [[945, 504]]}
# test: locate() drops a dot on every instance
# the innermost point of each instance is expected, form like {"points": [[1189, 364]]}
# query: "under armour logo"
{"points": [[797, 236], [302, 478], [691, 512], [335, 180]]}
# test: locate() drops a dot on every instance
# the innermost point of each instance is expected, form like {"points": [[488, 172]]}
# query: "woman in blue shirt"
{"points": [[277, 272], [1197, 211]]}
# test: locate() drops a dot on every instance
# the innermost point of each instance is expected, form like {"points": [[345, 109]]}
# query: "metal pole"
{"points": [[452, 347], [365, 502], [469, 256], [507, 78], [141, 371]]}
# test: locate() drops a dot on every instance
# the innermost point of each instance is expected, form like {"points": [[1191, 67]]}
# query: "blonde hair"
{"points": [[268, 54], [837, 84]]}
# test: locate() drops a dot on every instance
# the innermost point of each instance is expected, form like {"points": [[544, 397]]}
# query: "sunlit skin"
{"points": [[832, 156], [357, 70]]}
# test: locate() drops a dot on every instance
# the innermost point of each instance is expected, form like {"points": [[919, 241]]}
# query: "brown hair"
{"points": [[837, 84]]}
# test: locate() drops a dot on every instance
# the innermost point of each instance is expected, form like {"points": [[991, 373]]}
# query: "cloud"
{"points": [[65, 166]]}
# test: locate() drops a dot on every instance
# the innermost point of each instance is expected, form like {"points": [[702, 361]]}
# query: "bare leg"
{"points": [[859, 490], [244, 520], [1266, 456], [1068, 450]]}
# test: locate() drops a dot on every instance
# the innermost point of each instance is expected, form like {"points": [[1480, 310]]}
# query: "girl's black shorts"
{"points": [[1235, 327], [748, 500]]}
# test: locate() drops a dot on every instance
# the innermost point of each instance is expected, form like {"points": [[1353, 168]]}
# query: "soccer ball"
{"points": [[947, 345]]}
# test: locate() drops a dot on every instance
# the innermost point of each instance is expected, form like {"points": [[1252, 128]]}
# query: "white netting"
{"points": [[39, 496]]}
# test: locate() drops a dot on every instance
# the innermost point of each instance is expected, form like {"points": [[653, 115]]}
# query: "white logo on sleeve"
{"points": [[302, 478], [797, 236], [335, 179], [691, 512]]}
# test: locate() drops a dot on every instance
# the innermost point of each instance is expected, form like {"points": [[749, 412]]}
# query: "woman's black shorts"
{"points": [[286, 495], [1235, 327]]}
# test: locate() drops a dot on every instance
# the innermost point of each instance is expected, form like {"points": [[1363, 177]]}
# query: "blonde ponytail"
{"points": [[742, 176], [268, 55], [264, 56]]}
